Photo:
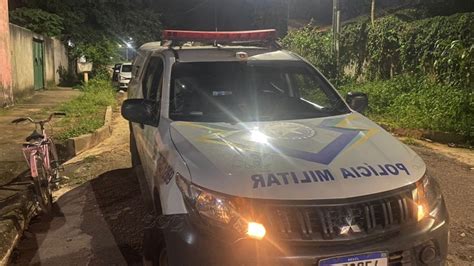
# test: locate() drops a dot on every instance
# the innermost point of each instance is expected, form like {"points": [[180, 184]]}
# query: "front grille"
{"points": [[342, 221]]}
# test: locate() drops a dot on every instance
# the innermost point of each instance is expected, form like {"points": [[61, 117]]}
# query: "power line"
{"points": [[193, 8]]}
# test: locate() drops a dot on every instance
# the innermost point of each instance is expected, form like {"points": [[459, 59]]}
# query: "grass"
{"points": [[86, 113], [418, 103], [410, 141]]}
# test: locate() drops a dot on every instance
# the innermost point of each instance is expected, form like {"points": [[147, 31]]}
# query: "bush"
{"points": [[38, 21], [441, 47], [85, 114], [414, 102], [315, 46]]}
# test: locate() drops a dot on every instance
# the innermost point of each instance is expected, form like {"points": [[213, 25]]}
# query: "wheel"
{"points": [[154, 245], [133, 149], [154, 248], [54, 163], [42, 187]]}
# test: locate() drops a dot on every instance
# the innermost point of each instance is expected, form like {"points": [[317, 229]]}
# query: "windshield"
{"points": [[250, 91], [126, 68]]}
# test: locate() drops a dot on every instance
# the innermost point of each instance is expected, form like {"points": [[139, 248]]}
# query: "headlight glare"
{"points": [[427, 196], [206, 204], [222, 211], [214, 208]]}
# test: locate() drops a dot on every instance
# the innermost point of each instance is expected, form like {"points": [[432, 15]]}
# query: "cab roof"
{"points": [[209, 53]]}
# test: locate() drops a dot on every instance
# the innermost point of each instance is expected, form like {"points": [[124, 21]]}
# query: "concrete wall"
{"points": [[21, 45], [61, 60], [6, 93], [49, 67]]}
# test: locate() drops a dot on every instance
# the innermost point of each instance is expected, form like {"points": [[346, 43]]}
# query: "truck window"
{"points": [[152, 80]]}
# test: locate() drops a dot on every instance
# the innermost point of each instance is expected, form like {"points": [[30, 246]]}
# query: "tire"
{"points": [[154, 248], [54, 162], [133, 149], [43, 188], [154, 244]]}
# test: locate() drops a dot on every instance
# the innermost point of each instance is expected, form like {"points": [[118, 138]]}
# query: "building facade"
{"points": [[6, 92]]}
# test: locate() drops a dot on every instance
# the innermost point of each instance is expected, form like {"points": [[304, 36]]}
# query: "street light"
{"points": [[129, 45]]}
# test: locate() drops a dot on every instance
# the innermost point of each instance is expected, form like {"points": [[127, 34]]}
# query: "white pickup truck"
{"points": [[250, 156]]}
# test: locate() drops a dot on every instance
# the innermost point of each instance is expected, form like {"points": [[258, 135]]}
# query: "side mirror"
{"points": [[357, 101], [141, 111]]}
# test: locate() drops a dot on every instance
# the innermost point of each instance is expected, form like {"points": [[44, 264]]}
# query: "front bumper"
{"points": [[190, 246], [123, 83]]}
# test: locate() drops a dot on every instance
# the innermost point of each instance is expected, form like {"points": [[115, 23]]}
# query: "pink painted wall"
{"points": [[6, 94]]}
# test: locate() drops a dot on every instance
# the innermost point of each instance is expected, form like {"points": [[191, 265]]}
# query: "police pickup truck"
{"points": [[249, 156]]}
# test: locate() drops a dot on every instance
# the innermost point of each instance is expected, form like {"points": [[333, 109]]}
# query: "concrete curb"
{"points": [[436, 136], [77, 145], [14, 218]]}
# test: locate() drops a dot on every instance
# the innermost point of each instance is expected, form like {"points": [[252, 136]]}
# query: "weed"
{"points": [[410, 141], [85, 114]]}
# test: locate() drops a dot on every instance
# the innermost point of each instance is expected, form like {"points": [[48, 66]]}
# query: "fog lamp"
{"points": [[428, 254], [256, 230]]}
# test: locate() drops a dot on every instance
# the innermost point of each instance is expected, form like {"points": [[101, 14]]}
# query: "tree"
{"points": [[38, 20], [91, 28]]}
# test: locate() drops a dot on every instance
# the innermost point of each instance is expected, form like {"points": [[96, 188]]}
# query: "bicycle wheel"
{"points": [[43, 187], [54, 162]]}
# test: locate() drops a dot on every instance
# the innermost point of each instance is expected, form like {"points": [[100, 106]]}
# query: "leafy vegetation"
{"points": [[440, 47], [417, 73], [38, 20], [86, 113], [416, 102], [93, 29]]}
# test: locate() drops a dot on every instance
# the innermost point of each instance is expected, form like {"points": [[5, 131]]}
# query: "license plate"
{"points": [[368, 259]]}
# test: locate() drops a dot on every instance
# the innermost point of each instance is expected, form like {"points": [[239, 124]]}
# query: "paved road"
{"points": [[101, 221]]}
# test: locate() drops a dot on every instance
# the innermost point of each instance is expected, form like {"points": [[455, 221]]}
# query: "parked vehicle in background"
{"points": [[124, 75], [242, 169], [115, 73]]}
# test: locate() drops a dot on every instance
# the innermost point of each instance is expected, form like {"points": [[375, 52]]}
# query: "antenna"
{"points": [[215, 19], [215, 15]]}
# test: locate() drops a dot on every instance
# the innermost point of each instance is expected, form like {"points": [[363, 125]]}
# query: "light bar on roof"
{"points": [[223, 36]]}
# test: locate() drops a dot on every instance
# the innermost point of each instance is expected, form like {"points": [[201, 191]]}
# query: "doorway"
{"points": [[38, 63]]}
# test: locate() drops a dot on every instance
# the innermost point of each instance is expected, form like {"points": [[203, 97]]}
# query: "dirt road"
{"points": [[100, 221]]}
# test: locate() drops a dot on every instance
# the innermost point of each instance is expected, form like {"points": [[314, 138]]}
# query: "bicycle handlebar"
{"points": [[21, 119]]}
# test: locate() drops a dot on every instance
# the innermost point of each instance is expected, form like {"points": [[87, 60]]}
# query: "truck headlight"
{"points": [[207, 204], [220, 210], [427, 196]]}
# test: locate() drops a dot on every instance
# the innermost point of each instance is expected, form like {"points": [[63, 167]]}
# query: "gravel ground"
{"points": [[456, 181], [100, 215]]}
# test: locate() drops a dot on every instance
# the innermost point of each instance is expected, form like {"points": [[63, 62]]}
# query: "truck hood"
{"points": [[126, 74], [322, 158]]}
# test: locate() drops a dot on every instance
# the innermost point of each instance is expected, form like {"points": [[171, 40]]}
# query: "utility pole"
{"points": [[372, 12], [336, 29]]}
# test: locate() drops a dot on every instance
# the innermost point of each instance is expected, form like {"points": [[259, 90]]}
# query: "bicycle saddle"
{"points": [[35, 135]]}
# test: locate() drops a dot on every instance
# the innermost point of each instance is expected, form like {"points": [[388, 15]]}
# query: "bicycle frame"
{"points": [[31, 151]]}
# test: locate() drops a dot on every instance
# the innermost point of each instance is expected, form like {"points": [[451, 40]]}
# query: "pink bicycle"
{"points": [[41, 156]]}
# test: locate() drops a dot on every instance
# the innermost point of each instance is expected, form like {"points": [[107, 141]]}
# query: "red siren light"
{"points": [[226, 36]]}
